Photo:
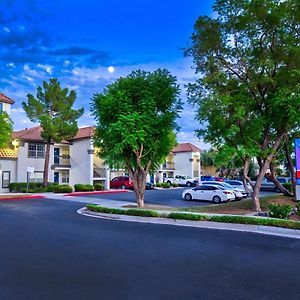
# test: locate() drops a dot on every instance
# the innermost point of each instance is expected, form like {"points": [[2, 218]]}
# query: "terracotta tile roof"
{"points": [[185, 147], [8, 153], [84, 132], [5, 99], [34, 134]]}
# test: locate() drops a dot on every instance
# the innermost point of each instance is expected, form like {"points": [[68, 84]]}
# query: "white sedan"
{"points": [[216, 194]]}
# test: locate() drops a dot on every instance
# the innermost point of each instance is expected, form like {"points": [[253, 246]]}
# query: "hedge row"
{"points": [[197, 217]]}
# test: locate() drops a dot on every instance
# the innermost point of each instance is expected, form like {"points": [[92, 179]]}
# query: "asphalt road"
{"points": [[50, 252], [168, 197]]}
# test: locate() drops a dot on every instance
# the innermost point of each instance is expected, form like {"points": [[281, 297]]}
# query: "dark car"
{"points": [[149, 186]]}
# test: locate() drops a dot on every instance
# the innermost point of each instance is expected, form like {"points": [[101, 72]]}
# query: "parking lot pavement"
{"points": [[167, 197]]}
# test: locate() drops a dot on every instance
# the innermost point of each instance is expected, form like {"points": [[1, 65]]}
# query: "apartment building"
{"points": [[76, 160]]}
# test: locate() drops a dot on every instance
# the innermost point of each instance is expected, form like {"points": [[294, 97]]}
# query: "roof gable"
{"points": [[5, 99], [185, 147]]}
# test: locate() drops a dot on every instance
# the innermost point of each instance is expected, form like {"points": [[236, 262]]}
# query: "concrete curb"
{"points": [[266, 230], [96, 193], [22, 197]]}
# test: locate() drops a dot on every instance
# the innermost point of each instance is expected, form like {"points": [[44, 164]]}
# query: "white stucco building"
{"points": [[76, 161]]}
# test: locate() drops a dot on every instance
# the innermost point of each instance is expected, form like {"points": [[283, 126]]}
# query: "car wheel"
{"points": [[216, 199], [188, 197], [188, 184], [123, 186]]}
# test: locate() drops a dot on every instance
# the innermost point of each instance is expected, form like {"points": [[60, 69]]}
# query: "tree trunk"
{"points": [[263, 169], [46, 165], [279, 186], [291, 166], [246, 179], [138, 178]]}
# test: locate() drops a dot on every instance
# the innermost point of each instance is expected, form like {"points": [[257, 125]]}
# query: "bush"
{"points": [[188, 216], [62, 189], [280, 211], [165, 185], [142, 213], [83, 188], [50, 187], [174, 184], [288, 186], [99, 187], [33, 187], [158, 184]]}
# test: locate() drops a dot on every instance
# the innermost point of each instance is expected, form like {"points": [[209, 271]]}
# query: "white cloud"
{"points": [[47, 68], [6, 29]]}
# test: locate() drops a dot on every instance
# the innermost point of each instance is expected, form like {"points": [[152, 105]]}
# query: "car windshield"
{"points": [[227, 185]]}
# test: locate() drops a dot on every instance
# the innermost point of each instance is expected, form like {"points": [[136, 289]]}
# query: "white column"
{"points": [[107, 178], [91, 162], [199, 174]]}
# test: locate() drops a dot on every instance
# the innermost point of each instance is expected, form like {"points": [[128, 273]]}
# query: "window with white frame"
{"points": [[36, 150], [65, 177], [36, 176], [5, 179]]}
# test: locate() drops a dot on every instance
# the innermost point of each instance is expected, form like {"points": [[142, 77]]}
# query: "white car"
{"points": [[237, 184], [239, 193], [181, 180], [214, 193]]}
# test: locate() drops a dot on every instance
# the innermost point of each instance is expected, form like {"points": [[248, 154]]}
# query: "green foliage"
{"points": [[53, 109], [298, 208], [288, 186], [135, 121], [158, 184], [129, 212], [33, 187], [165, 185], [62, 189], [207, 158], [83, 188], [174, 184], [99, 187], [5, 129], [248, 93], [280, 211], [188, 216]]}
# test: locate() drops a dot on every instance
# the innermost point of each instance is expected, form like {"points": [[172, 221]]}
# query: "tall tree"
{"points": [[53, 109], [249, 61], [136, 118], [5, 129]]}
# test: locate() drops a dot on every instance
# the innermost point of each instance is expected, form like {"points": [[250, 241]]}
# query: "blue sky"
{"points": [[77, 41]]}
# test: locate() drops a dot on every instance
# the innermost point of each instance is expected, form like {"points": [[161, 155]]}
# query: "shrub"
{"points": [[50, 187], [21, 187], [83, 188], [62, 189], [142, 213], [174, 184], [288, 186], [165, 185], [187, 216], [280, 211], [99, 187], [158, 184]]}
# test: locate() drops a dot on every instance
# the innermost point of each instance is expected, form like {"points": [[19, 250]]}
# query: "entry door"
{"points": [[56, 177], [56, 156]]}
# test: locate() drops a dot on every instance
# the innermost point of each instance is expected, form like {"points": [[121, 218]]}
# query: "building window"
{"points": [[36, 177], [36, 150], [65, 177], [196, 173], [5, 179]]}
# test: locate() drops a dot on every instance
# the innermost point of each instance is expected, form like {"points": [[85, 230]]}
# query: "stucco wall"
{"points": [[8, 165], [182, 163], [7, 107], [81, 162]]}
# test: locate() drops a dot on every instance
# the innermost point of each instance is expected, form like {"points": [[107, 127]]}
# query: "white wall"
{"points": [[81, 162], [38, 163], [182, 163], [8, 165], [7, 108]]}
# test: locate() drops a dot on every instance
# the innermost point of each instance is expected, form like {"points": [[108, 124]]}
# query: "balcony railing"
{"points": [[62, 161]]}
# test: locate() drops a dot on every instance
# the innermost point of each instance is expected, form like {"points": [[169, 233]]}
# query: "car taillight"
{"points": [[227, 193]]}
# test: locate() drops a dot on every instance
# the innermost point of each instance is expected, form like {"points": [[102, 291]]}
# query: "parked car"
{"points": [[209, 192], [239, 193], [270, 186], [124, 182], [238, 184], [220, 179], [121, 182], [207, 178], [182, 180]]}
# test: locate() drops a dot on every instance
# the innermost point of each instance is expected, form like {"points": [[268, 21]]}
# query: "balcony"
{"points": [[61, 162], [169, 165]]}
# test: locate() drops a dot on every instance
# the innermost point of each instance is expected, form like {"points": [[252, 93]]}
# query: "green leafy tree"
{"points": [[136, 119], [53, 109], [5, 129], [248, 92]]}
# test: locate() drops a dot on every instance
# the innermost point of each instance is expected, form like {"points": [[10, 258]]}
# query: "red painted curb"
{"points": [[95, 193], [22, 198]]}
